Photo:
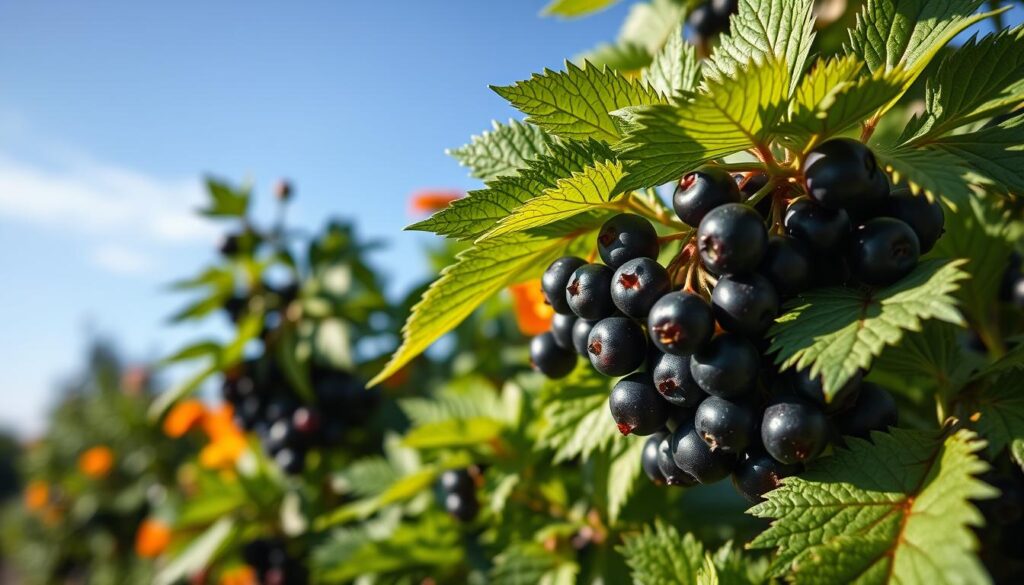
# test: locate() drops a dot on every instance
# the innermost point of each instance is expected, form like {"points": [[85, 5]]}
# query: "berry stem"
{"points": [[742, 167], [676, 236], [761, 193], [641, 206]]}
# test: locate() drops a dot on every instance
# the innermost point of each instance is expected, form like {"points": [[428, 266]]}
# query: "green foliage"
{"points": [[574, 8], [502, 151], [675, 68]]}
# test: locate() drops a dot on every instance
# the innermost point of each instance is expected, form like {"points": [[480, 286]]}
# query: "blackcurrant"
{"points": [[925, 217], [462, 507], [842, 173], [624, 237], [691, 454], [1017, 293], [874, 410], [745, 304], [701, 191], [637, 284], [705, 22], [667, 465], [883, 251], [823, 230], [636, 406], [280, 435], [672, 378], [306, 421], [549, 359], [680, 323], [758, 473], [794, 431], [561, 329], [589, 292], [649, 458], [787, 264], [726, 425], [727, 366], [811, 389], [732, 239], [725, 8], [581, 336], [556, 278], [458, 481], [617, 346], [231, 245], [291, 460]]}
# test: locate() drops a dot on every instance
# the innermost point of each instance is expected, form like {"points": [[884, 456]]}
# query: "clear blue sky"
{"points": [[111, 111]]}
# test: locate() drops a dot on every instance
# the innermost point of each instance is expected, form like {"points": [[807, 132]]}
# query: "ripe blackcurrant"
{"points": [[306, 421], [617, 346], [556, 278], [291, 460], [842, 173], [810, 388], [462, 507], [667, 465], [549, 359], [793, 431], [581, 336], [727, 366], [636, 406], [691, 454], [726, 425], [874, 410], [732, 239], [758, 473], [745, 304], [706, 22], [637, 284], [231, 245], [787, 265], [589, 292], [649, 458], [882, 251], [823, 230], [680, 323], [925, 217], [672, 378], [458, 481], [1017, 294], [701, 191], [561, 329], [624, 237]]}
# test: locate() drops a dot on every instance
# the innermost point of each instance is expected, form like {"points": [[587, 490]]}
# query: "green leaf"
{"points": [[623, 56], [623, 474], [403, 489], [575, 8], [896, 511], [997, 412], [978, 80], [593, 188], [366, 477], [576, 103], [473, 215], [452, 433], [995, 153], [662, 557], [192, 351], [764, 31], [935, 173], [225, 200], [530, 564], [199, 553], [479, 273], [675, 68], [663, 142], [575, 415], [501, 151], [838, 331], [932, 355]]}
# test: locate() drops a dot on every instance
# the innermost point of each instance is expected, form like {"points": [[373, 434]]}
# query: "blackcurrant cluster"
{"points": [[711, 18], [694, 373], [265, 403], [272, 564], [458, 490], [1012, 289]]}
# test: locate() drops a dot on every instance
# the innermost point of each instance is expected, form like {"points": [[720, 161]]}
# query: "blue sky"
{"points": [[110, 112]]}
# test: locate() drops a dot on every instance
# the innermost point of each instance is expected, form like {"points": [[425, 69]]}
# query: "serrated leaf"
{"points": [[997, 412], [765, 31], [896, 511], [576, 418], [932, 355], [652, 23], [479, 272], [367, 476], [660, 556], [838, 331], [576, 103], [530, 564], [935, 173], [995, 153], [225, 200], [585, 191], [623, 56], [502, 150], [575, 8], [463, 432], [675, 68], [665, 141], [623, 474]]}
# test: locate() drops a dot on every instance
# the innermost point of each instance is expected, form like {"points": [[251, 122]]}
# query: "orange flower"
{"points": [[227, 441], [152, 538], [429, 201], [533, 313], [37, 495], [184, 417], [96, 462], [242, 575]]}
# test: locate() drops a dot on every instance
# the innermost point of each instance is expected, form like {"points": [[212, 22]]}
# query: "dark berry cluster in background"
{"points": [[265, 403], [270, 561], [710, 19], [458, 490], [1012, 289], [689, 345]]}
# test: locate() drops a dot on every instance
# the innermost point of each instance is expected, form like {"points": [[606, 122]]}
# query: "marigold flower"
{"points": [[227, 441], [37, 495], [96, 462], [533, 314], [431, 201], [184, 417], [152, 538]]}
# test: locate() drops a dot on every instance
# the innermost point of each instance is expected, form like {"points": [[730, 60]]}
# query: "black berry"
{"points": [[458, 481], [727, 366], [561, 329], [882, 251], [649, 458], [617, 346], [787, 264], [726, 425], [672, 379], [306, 421], [705, 22], [624, 237], [637, 284], [925, 217], [745, 304], [823, 230], [588, 292], [732, 239], [636, 406], [549, 359], [810, 388], [793, 431], [759, 473], [701, 191], [581, 336], [842, 173], [692, 455], [291, 460], [874, 410], [462, 507], [667, 465], [680, 323], [556, 278]]}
